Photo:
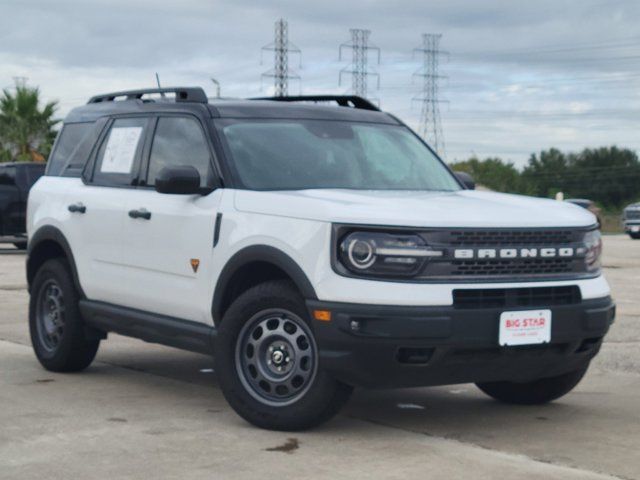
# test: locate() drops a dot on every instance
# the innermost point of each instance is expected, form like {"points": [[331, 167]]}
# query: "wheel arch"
{"points": [[46, 243], [263, 263]]}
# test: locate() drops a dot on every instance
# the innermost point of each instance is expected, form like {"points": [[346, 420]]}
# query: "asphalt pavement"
{"points": [[146, 411]]}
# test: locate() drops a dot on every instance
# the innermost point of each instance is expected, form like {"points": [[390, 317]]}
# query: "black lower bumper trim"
{"points": [[391, 346]]}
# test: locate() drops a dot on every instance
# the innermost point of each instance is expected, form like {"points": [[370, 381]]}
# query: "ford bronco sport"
{"points": [[311, 248]]}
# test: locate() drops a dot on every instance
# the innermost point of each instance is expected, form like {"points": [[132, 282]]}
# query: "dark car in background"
{"points": [[16, 179], [587, 205], [631, 220]]}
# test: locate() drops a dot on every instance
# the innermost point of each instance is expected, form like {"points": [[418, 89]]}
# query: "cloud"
{"points": [[522, 75]]}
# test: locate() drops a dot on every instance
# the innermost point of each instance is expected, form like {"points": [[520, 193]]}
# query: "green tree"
{"points": [[607, 175], [492, 173], [546, 174], [26, 131]]}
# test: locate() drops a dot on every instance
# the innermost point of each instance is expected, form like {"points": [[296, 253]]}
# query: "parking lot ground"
{"points": [[143, 411]]}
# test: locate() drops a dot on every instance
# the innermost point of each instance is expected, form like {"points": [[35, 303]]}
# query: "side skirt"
{"points": [[150, 327]]}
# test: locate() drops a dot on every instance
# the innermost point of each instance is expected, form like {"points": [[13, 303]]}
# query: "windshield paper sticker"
{"points": [[121, 150]]}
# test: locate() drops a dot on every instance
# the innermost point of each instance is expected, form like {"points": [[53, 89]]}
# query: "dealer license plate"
{"points": [[527, 327]]}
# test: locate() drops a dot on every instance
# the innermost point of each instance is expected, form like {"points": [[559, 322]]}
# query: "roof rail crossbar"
{"points": [[353, 101], [183, 94]]}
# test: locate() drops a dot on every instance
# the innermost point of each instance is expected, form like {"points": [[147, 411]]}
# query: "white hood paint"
{"points": [[465, 208]]}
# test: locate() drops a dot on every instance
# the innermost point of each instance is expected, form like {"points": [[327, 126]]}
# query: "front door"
{"points": [[168, 239]]}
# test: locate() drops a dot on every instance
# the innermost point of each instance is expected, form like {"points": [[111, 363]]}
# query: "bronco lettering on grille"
{"points": [[547, 252]]}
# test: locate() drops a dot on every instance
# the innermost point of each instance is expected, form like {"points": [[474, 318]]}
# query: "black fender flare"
{"points": [[260, 253], [49, 233]]}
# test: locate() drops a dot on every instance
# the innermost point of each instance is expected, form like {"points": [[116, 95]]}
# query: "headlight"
{"points": [[384, 254], [593, 245]]}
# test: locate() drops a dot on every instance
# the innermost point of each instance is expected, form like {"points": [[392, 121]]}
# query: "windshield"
{"points": [[303, 154]]}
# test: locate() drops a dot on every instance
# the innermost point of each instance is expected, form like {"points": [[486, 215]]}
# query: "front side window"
{"points": [[118, 158], [179, 141], [306, 154]]}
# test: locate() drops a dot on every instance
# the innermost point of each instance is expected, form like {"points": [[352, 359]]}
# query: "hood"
{"points": [[464, 208]]}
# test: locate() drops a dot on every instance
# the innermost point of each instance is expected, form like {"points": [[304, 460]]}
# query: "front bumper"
{"points": [[394, 346]]}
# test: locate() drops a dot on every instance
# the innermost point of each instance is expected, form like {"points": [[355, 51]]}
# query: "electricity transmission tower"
{"points": [[359, 67], [281, 48], [430, 124]]}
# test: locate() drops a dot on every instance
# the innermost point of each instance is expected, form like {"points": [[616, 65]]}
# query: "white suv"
{"points": [[312, 247]]}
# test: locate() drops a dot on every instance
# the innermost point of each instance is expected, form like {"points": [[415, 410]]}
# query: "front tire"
{"points": [[537, 392], [20, 245], [58, 333], [267, 361], [635, 236]]}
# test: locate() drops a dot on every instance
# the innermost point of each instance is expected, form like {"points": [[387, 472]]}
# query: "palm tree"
{"points": [[26, 132]]}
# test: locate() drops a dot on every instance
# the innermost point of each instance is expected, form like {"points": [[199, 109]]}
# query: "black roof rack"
{"points": [[183, 94], [343, 100]]}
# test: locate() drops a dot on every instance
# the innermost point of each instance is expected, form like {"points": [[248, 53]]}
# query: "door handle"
{"points": [[142, 213], [77, 208]]}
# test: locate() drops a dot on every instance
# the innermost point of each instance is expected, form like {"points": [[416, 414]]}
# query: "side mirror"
{"points": [[466, 179], [182, 180]]}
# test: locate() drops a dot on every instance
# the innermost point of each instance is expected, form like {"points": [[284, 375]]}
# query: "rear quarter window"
{"points": [[69, 140]]}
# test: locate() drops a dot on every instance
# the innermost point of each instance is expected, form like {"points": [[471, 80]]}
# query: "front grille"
{"points": [[530, 266], [495, 267], [511, 237], [516, 297]]}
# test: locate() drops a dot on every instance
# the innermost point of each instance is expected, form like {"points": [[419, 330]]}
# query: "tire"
{"points": [[635, 236], [267, 319], [537, 392], [20, 245], [57, 330]]}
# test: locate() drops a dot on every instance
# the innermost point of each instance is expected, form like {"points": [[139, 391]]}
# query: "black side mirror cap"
{"points": [[181, 180], [466, 180]]}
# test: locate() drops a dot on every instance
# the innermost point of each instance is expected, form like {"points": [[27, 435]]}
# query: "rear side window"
{"points": [[28, 175], [179, 141], [118, 158], [69, 139], [8, 176]]}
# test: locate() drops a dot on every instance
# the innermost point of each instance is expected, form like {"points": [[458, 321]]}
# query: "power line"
{"points": [[564, 47], [281, 48], [430, 123], [359, 67]]}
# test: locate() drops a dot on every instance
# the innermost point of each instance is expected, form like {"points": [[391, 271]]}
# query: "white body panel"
{"points": [[465, 208], [158, 253], [95, 237], [146, 264]]}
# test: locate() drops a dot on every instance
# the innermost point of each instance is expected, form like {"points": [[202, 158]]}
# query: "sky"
{"points": [[521, 76]]}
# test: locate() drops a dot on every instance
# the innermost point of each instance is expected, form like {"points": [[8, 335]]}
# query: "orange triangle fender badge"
{"points": [[195, 263]]}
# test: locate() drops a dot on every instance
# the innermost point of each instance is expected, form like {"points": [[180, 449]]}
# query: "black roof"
{"points": [[349, 108]]}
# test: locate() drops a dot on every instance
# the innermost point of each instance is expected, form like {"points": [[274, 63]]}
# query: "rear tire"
{"points": [[635, 236], [537, 392], [58, 335], [267, 361], [20, 245]]}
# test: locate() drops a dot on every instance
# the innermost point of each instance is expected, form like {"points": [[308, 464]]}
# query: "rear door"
{"points": [[26, 176], [97, 209], [169, 254]]}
